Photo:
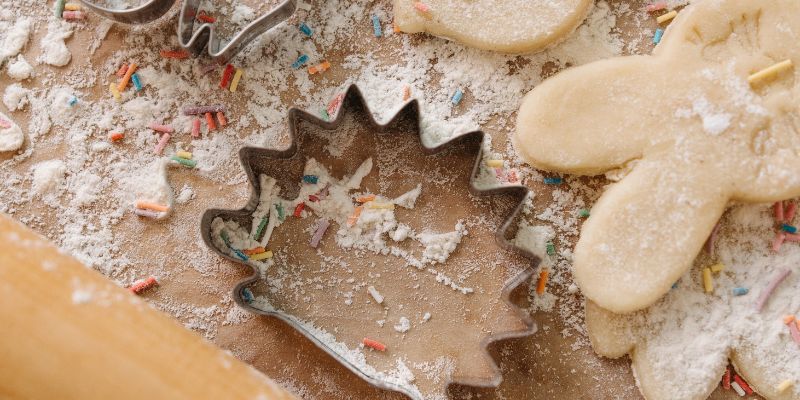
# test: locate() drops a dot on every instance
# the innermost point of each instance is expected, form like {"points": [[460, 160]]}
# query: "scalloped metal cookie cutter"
{"points": [[195, 41], [353, 97]]}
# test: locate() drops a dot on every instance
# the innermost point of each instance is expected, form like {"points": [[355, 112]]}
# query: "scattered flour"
{"points": [[19, 69]]}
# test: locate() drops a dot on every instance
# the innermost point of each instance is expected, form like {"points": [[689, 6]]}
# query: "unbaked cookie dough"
{"points": [[518, 26], [711, 117], [11, 136]]}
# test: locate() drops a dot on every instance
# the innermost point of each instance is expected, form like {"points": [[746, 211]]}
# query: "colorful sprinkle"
{"points": [[788, 228], [302, 60], [255, 250], [176, 54], [726, 379], [319, 68], [123, 83], [406, 92], [743, 384], [161, 128], [740, 291], [584, 213], [738, 389], [121, 71], [162, 143], [298, 211], [146, 205], [335, 103], [197, 110], [237, 77], [374, 344], [770, 72], [365, 199], [376, 26], [137, 84], [184, 154], [317, 237], [141, 286], [712, 239], [708, 283], [551, 249], [305, 29], [542, 283], [147, 213], [73, 15], [375, 294], [280, 211], [762, 300], [247, 295], [203, 17], [457, 96], [657, 37], [313, 179], [196, 128], [261, 226], [717, 267], [667, 17], [780, 237], [495, 163], [778, 210], [227, 74], [114, 92], [210, 122], [116, 136], [421, 7], [790, 211], [352, 219], [223, 121], [59, 8], [184, 162], [553, 181], [72, 7], [657, 6], [261, 256]]}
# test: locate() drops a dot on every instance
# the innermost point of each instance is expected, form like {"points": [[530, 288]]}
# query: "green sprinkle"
{"points": [[324, 114], [59, 8], [279, 208], [225, 238], [184, 162], [551, 249], [584, 213], [261, 227]]}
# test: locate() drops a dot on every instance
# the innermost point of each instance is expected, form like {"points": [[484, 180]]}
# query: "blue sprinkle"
{"points": [[789, 228], [657, 37], [239, 254], [310, 179], [376, 26], [553, 181], [136, 82], [305, 29], [740, 291], [72, 101], [300, 61], [247, 295], [457, 96]]}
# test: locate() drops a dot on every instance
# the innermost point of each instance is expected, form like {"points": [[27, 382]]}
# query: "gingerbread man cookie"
{"points": [[518, 26], [710, 117]]}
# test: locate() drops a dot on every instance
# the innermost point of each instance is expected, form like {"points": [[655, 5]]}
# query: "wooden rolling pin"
{"points": [[66, 332]]}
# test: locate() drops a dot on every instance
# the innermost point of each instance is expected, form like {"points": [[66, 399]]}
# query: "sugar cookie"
{"points": [[11, 136], [700, 132], [520, 26]]}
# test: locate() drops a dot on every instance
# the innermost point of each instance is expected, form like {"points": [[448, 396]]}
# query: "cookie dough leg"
{"points": [[645, 232]]}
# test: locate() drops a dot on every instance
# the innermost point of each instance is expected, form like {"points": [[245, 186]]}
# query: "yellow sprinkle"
{"points": [[717, 267], [495, 163], [380, 206], [72, 7], [707, 282], [768, 73], [261, 256], [666, 17], [785, 385], [236, 77], [114, 91], [184, 154]]}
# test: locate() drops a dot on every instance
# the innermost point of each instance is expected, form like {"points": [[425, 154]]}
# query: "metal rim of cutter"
{"points": [[205, 36], [354, 97]]}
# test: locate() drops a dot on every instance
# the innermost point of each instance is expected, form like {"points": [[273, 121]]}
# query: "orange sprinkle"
{"points": [[144, 205], [406, 93], [221, 117], [177, 54], [395, 28], [354, 218], [314, 69], [540, 286], [365, 199], [203, 17], [788, 319], [122, 70], [374, 344], [123, 83], [116, 136], [210, 122], [257, 250], [143, 285]]}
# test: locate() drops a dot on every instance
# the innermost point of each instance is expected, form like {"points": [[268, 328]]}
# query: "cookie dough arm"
{"points": [[587, 120], [645, 232]]}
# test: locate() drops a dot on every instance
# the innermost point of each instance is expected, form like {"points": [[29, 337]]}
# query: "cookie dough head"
{"points": [[512, 26], [696, 132]]}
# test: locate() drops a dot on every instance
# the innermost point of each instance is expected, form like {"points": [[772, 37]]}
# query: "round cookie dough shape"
{"points": [[518, 26], [11, 136]]}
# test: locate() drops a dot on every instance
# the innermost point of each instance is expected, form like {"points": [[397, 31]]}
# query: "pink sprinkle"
{"points": [[196, 128], [323, 226], [146, 213], [161, 128], [790, 211], [334, 105], [712, 239], [779, 217], [421, 7], [5, 124], [73, 15], [792, 237], [780, 237], [795, 332], [762, 300], [657, 6], [162, 143]]}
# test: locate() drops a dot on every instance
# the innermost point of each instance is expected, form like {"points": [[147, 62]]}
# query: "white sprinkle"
{"points": [[375, 295]]}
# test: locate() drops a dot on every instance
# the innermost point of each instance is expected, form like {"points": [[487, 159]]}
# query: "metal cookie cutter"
{"points": [[195, 41], [354, 101]]}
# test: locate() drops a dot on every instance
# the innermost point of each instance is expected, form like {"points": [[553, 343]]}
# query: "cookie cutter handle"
{"points": [[222, 52], [147, 12]]}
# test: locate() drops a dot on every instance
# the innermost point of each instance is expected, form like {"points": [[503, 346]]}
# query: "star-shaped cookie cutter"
{"points": [[205, 36], [354, 101]]}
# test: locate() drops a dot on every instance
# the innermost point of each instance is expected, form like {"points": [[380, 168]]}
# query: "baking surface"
{"points": [[555, 362]]}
